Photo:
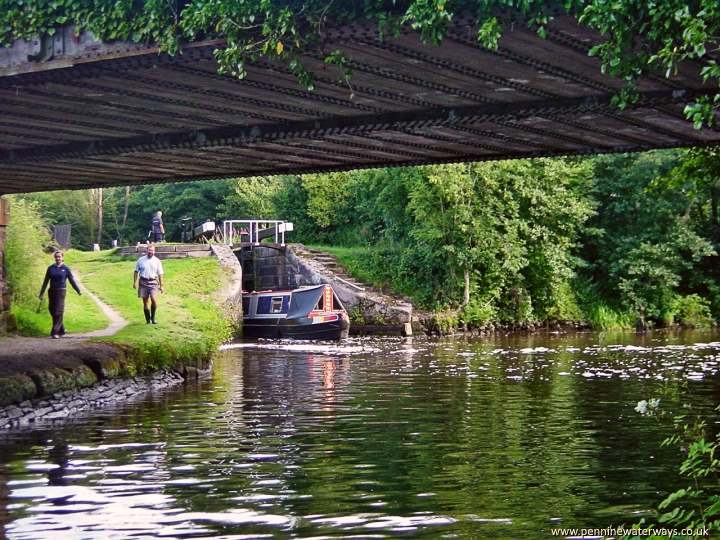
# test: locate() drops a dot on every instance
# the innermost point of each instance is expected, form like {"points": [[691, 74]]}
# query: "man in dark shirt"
{"points": [[57, 276], [157, 228]]}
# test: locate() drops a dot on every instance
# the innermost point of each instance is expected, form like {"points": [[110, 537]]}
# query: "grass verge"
{"points": [[191, 325], [81, 315], [27, 260], [31, 317]]}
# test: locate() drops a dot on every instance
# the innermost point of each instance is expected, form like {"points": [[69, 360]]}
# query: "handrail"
{"points": [[348, 283], [254, 227]]}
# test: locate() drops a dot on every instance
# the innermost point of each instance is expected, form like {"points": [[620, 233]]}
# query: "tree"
{"points": [[253, 198], [643, 242], [99, 202], [197, 200], [446, 220], [127, 207]]}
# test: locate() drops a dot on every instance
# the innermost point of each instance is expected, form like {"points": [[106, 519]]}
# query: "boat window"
{"points": [[277, 304], [263, 305], [271, 305], [320, 306]]}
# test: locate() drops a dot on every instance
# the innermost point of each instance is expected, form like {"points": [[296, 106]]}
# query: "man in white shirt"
{"points": [[150, 271]]}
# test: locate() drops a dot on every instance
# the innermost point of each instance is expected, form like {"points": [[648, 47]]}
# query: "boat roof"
{"points": [[287, 291]]}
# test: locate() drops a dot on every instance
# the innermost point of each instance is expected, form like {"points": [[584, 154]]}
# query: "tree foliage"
{"points": [[638, 36], [656, 36], [696, 506], [645, 243], [198, 200], [541, 239], [610, 239], [27, 239], [511, 227]]}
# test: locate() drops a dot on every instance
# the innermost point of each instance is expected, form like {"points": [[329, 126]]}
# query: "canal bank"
{"points": [[42, 378]]}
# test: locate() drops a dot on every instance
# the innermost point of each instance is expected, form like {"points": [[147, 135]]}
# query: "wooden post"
{"points": [[100, 215], [4, 291]]}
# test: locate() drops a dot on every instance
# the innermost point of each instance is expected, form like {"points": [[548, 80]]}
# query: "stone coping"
{"points": [[163, 251], [33, 368], [61, 406], [165, 248], [34, 371]]}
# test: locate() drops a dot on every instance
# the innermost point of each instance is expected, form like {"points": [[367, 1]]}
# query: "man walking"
{"points": [[150, 271], [57, 275]]}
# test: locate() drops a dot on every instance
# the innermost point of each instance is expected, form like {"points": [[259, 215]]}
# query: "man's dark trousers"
{"points": [[56, 307]]}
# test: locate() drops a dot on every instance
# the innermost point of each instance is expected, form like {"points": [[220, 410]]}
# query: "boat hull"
{"points": [[283, 329]]}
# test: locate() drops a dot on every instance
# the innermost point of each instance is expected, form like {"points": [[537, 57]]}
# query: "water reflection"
{"points": [[502, 438]]}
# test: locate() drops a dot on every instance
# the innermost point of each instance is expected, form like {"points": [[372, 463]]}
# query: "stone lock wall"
{"points": [[4, 291], [271, 269]]}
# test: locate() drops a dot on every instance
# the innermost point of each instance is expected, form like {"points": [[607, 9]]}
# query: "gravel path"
{"points": [[116, 320]]}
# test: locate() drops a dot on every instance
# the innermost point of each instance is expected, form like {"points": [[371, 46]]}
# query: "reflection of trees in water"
{"points": [[58, 455]]}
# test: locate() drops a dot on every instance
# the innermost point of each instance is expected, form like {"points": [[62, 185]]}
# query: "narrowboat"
{"points": [[312, 312]]}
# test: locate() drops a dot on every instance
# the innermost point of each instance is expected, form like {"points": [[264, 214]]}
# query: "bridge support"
{"points": [[4, 291]]}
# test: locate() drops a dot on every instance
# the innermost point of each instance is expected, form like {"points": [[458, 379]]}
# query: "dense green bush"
{"points": [[25, 251], [478, 314], [692, 310]]}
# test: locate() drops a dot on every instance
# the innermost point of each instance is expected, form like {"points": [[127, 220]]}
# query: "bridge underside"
{"points": [[91, 114]]}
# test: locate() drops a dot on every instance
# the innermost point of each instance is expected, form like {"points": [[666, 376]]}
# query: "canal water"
{"points": [[372, 438]]}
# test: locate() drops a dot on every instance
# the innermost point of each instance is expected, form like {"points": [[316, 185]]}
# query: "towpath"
{"points": [[13, 350], [116, 320]]}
